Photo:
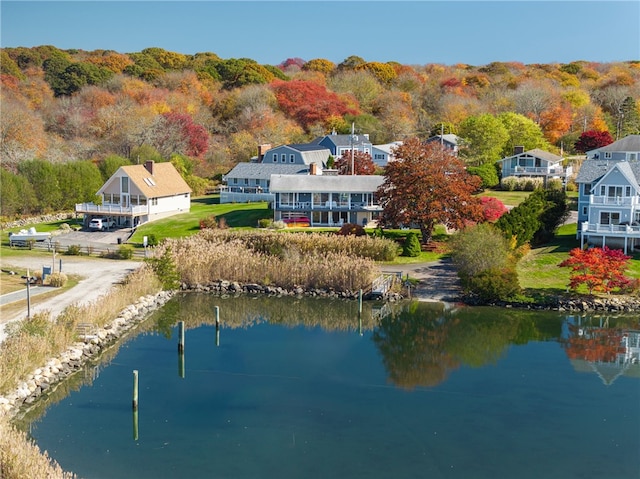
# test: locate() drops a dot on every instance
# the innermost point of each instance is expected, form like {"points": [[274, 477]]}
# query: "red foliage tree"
{"points": [[590, 140], [362, 163], [308, 102], [599, 269], [196, 136], [492, 208], [426, 186]]}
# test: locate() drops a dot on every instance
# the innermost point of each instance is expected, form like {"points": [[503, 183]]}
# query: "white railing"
{"points": [[328, 205], [538, 170], [614, 200], [239, 197], [618, 230], [111, 209]]}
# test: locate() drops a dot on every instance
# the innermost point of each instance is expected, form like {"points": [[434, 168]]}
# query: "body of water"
{"points": [[306, 388]]}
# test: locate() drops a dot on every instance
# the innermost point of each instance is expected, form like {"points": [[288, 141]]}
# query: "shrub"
{"points": [[488, 173], [74, 250], [494, 285], [479, 248], [411, 247], [57, 280], [351, 229], [555, 184], [264, 223], [509, 183], [165, 269], [152, 240], [278, 225], [125, 252], [209, 222]]}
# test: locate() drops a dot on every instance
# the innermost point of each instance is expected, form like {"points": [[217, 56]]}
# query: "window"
{"points": [[587, 189], [627, 191], [275, 157], [283, 158], [154, 201], [632, 156], [292, 158], [609, 218], [614, 191], [584, 210], [246, 181], [124, 186], [607, 155]]}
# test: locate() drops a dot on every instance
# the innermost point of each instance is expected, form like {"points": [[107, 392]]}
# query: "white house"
{"points": [[383, 154], [138, 194], [609, 195], [323, 200], [534, 163]]}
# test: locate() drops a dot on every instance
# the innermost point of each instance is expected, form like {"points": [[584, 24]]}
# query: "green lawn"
{"points": [[509, 198], [236, 215]]}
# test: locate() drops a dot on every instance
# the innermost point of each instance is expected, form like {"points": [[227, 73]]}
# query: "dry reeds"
{"points": [[298, 260], [20, 458]]}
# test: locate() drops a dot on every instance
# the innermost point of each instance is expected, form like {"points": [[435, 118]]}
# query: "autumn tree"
{"points": [[591, 140], [321, 65], [362, 163], [599, 269], [428, 185], [308, 102]]}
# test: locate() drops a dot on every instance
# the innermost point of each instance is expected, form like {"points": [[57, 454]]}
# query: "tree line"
{"points": [[66, 105]]}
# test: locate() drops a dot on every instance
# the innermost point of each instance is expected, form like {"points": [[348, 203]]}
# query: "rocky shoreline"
{"points": [[583, 304], [57, 369]]}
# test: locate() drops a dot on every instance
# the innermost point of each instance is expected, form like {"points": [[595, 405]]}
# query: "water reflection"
{"points": [[602, 346]]}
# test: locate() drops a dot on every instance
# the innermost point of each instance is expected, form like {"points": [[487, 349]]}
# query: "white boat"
{"points": [[25, 236]]}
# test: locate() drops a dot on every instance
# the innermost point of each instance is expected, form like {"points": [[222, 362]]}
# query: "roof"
{"points": [[310, 153], [323, 184], [165, 181], [265, 170], [592, 170], [625, 168], [388, 146], [344, 140], [449, 138], [628, 143], [538, 153], [306, 147]]}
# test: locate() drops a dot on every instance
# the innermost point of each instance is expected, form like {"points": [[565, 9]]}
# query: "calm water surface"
{"points": [[304, 388]]}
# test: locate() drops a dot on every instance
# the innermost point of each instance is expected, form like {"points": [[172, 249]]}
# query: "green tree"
{"points": [[18, 197], [110, 164], [522, 132], [479, 248], [484, 139], [44, 181], [411, 247], [165, 269], [79, 182]]}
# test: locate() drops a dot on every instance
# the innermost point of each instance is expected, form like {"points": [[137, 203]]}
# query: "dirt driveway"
{"points": [[98, 276]]}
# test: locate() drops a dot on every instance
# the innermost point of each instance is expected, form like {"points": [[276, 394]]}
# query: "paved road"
{"points": [[22, 294]]}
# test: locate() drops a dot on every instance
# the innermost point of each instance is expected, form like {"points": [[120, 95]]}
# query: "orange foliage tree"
{"points": [[599, 269]]}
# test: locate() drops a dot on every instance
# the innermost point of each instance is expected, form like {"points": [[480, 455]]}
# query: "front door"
{"points": [[124, 200]]}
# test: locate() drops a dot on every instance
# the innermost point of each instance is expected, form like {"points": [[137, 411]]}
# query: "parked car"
{"points": [[101, 224]]}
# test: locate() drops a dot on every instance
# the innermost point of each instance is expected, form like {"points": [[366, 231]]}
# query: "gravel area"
{"points": [[437, 281], [98, 276]]}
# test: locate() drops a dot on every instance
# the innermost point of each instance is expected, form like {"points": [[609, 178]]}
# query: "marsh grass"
{"points": [[341, 263]]}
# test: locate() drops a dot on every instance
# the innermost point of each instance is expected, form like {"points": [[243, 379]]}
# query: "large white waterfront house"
{"points": [[609, 196], [138, 194]]}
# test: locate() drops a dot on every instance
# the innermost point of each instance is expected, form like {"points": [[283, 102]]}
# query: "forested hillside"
{"points": [[79, 112]]}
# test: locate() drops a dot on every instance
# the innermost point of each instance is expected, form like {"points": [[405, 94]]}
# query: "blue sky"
{"points": [[411, 32]]}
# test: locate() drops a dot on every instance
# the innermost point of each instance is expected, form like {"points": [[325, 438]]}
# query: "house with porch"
{"points": [[326, 200], [609, 196], [338, 145], [252, 181], [534, 163], [137, 194]]}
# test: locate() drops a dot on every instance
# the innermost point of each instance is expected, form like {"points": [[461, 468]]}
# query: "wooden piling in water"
{"points": [[135, 425], [217, 312], [181, 337], [181, 364], [135, 390], [360, 302]]}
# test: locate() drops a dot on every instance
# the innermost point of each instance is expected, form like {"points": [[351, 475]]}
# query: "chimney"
{"points": [[313, 169], [517, 150], [262, 149], [149, 166]]}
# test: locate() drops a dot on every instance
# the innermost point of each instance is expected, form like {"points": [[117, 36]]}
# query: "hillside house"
{"points": [[609, 195], [534, 163], [450, 141], [138, 194], [338, 145], [383, 154], [323, 200]]}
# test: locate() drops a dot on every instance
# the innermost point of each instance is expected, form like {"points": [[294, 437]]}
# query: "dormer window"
{"points": [[632, 156], [607, 155]]}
